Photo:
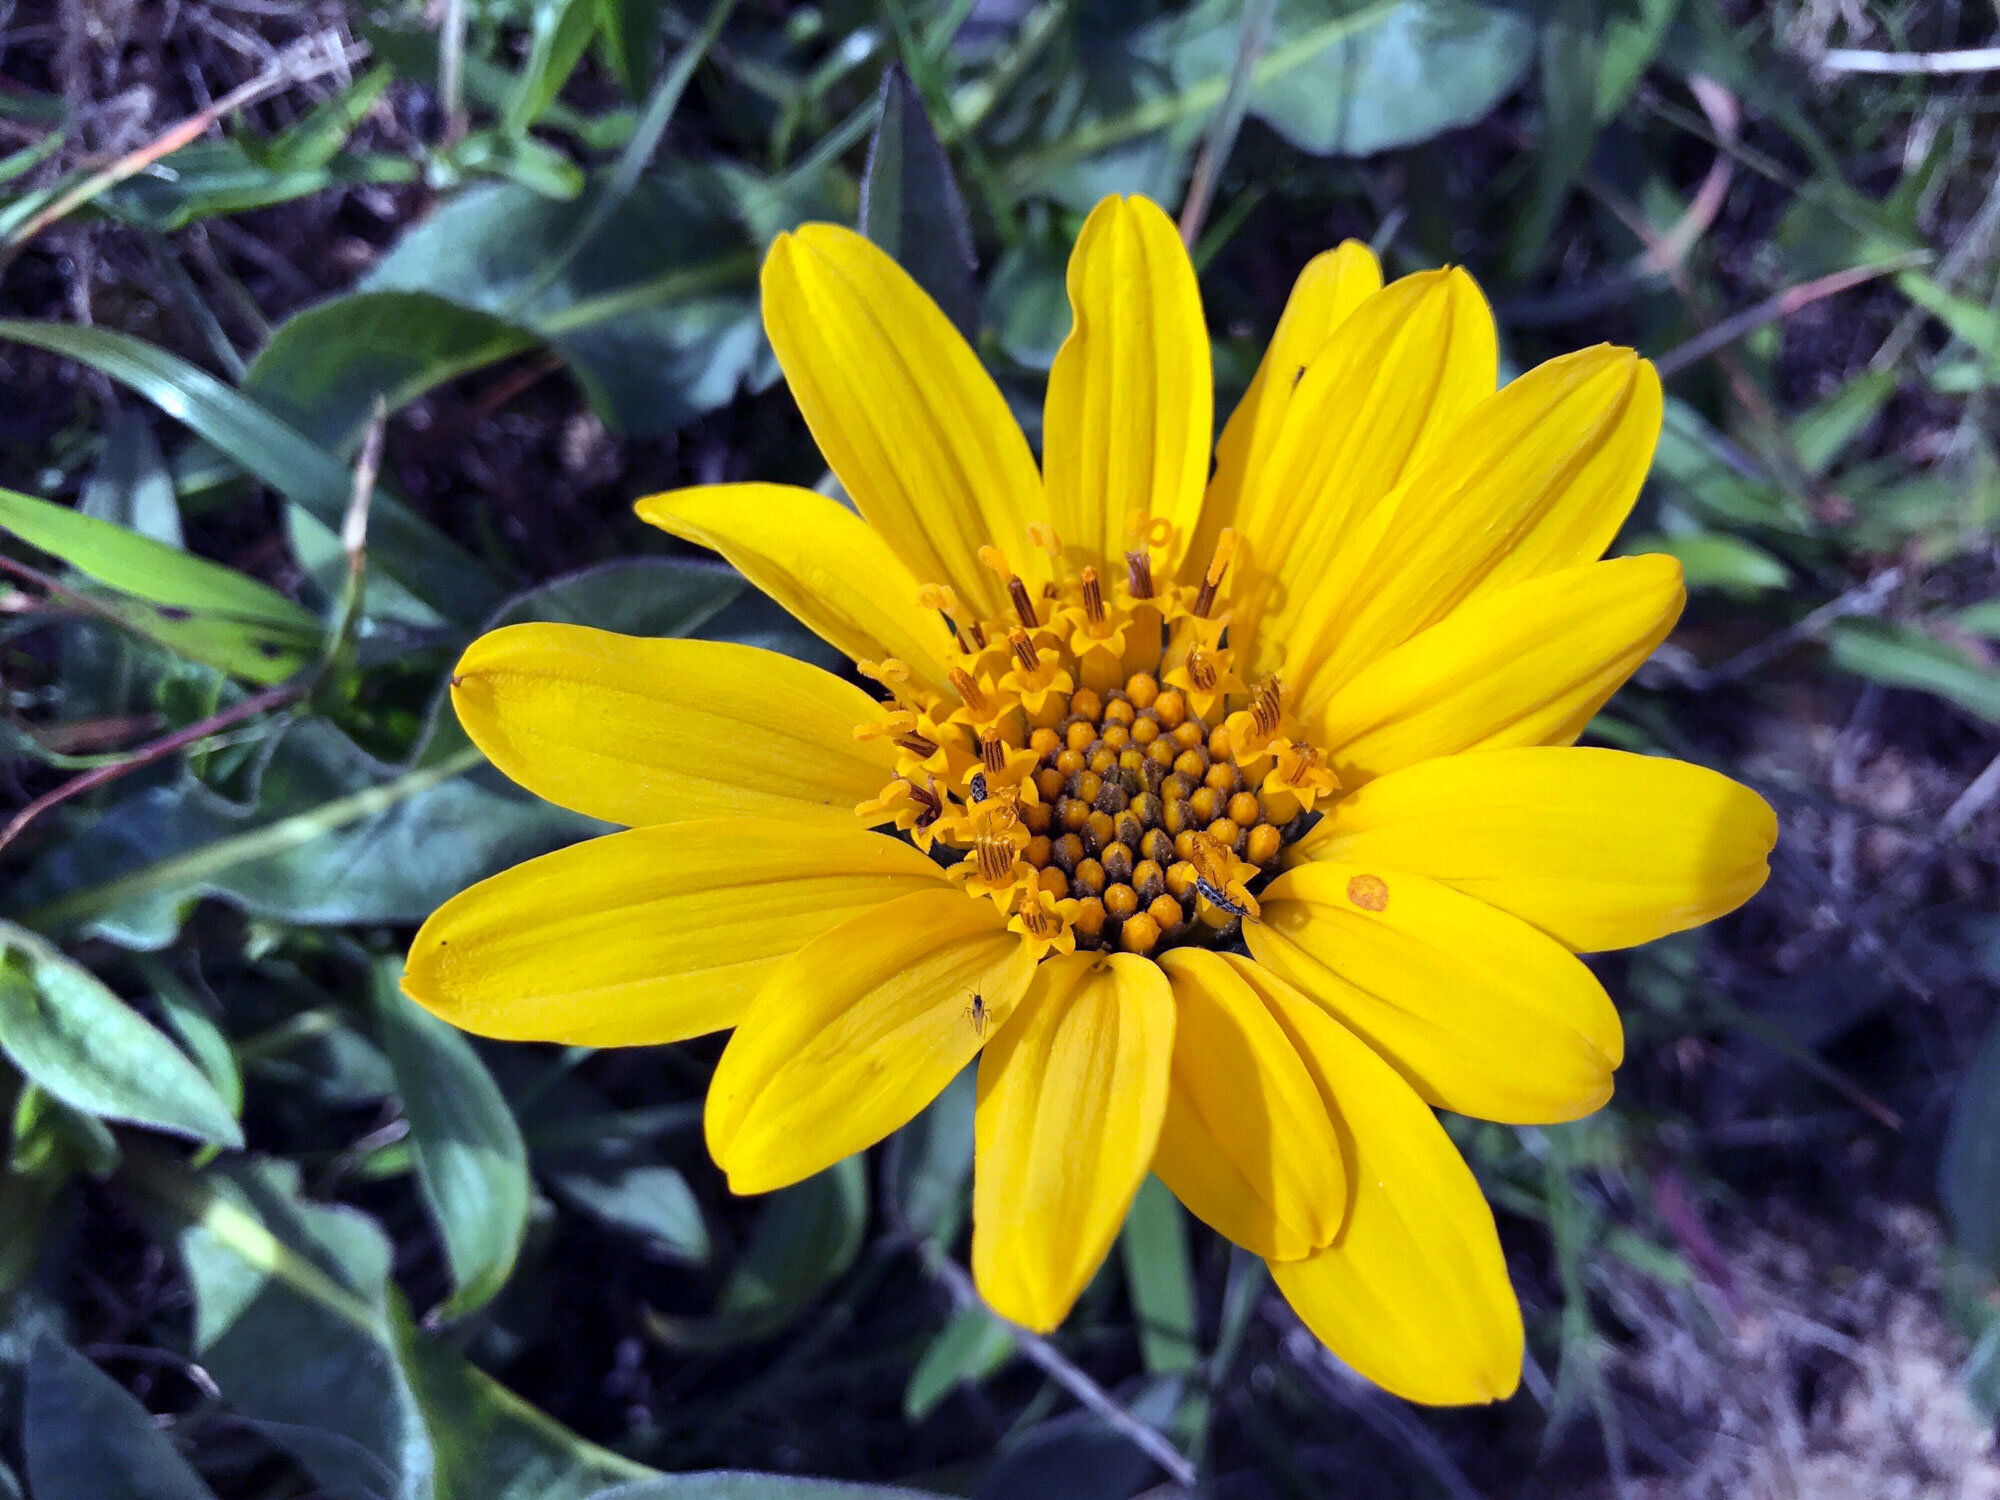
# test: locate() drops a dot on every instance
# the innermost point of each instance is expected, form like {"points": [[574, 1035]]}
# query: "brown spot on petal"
{"points": [[1369, 892]]}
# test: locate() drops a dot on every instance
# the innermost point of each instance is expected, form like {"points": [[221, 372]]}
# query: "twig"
{"points": [[1389, 1419], [236, 713], [1772, 308], [451, 71], [1868, 599], [313, 57], [1973, 801], [1057, 1366], [1254, 30], [1856, 60]]}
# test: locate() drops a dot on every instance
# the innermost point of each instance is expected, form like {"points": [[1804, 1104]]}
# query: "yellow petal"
{"points": [[1127, 423], [907, 418], [820, 560], [664, 731], [1526, 665], [1402, 370], [1483, 1014], [1247, 1144], [856, 1032], [1536, 478], [1598, 848], [1332, 285], [1414, 1292], [1071, 1095], [649, 936]]}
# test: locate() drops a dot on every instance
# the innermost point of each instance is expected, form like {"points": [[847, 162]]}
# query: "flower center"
{"points": [[1098, 769]]}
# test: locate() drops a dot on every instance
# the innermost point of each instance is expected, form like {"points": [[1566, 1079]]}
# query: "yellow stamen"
{"points": [[1225, 549], [1093, 597], [1024, 650], [1043, 535], [1024, 606], [1201, 670], [992, 750], [944, 599], [1267, 707], [967, 688]]}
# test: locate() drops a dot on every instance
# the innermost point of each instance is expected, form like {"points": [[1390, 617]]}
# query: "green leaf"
{"points": [[805, 1239], [213, 178], [323, 367], [733, 1485], [1982, 618], [630, 33], [316, 138], [130, 486], [53, 1140], [91, 1050], [471, 1164], [1969, 1166], [934, 1162], [1903, 657], [400, 543], [84, 1436], [1159, 1279], [296, 1320], [1632, 37], [911, 206], [1717, 560], [1819, 435], [656, 316], [649, 1200], [333, 837], [206, 611], [199, 1032], [971, 1347], [1977, 325], [558, 35], [1568, 48], [1428, 66]]}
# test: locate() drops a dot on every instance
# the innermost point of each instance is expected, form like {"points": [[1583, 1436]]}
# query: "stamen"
{"points": [[927, 798], [1024, 649], [1024, 606], [1040, 921], [917, 745], [1093, 597], [892, 674], [1201, 670], [1305, 757], [942, 598], [967, 688], [1267, 707], [996, 858], [1138, 559], [1225, 549], [992, 750]]}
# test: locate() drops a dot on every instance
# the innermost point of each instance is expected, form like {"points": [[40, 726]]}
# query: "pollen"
{"points": [[1103, 775]]}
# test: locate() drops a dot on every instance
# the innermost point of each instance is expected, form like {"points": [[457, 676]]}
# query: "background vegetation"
{"points": [[267, 1230]]}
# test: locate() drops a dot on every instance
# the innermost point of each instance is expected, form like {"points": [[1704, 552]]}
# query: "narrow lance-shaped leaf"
{"points": [[911, 207], [84, 1436], [471, 1164], [69, 1033], [400, 543], [202, 609]]}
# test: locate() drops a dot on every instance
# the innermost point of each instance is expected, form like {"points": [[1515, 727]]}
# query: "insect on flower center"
{"points": [[1098, 768]]}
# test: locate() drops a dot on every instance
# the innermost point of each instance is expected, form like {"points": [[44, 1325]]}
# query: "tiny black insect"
{"points": [[978, 784]]}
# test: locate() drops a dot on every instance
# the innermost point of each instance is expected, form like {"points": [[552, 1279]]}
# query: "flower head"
{"points": [[1232, 821]]}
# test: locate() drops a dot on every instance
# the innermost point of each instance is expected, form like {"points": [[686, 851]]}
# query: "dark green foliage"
{"points": [[334, 1247]]}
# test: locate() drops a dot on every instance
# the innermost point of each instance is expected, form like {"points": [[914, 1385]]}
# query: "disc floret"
{"points": [[1099, 769]]}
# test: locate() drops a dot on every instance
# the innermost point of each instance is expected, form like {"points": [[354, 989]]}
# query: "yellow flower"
{"points": [[1258, 832]]}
